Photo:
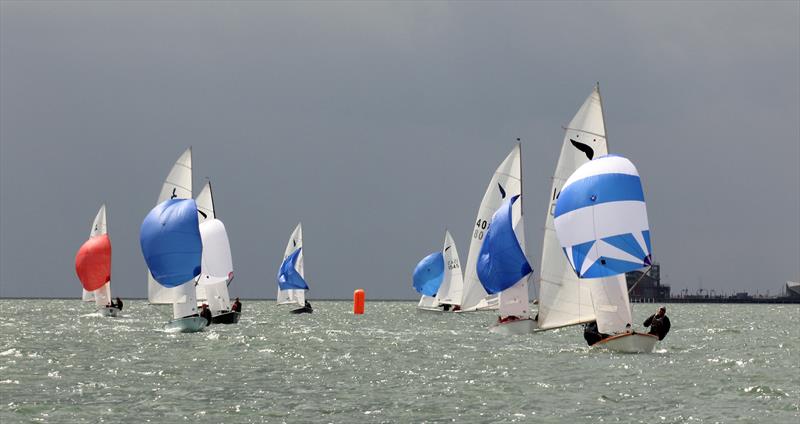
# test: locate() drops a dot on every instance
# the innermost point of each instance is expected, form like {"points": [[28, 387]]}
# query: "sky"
{"points": [[379, 124]]}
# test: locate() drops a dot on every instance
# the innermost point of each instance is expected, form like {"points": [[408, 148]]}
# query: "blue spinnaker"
{"points": [[429, 273], [501, 261], [170, 241], [288, 277]]}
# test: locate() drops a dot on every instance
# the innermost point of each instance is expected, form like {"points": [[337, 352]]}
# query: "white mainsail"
{"points": [[505, 182], [205, 204], [295, 242], [101, 296], [452, 287], [178, 185], [564, 299]]}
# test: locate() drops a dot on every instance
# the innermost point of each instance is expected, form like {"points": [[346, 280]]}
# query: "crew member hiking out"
{"points": [[658, 323], [206, 313]]}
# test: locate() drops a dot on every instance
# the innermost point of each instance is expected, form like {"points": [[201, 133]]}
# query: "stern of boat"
{"points": [[514, 328], [629, 343], [186, 325]]}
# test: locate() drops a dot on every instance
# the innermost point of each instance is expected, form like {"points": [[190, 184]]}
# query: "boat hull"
{"points": [[513, 328], [109, 312], [186, 325], [229, 317], [629, 343]]}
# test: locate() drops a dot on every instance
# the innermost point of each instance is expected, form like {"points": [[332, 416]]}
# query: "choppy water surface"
{"points": [[61, 363]]}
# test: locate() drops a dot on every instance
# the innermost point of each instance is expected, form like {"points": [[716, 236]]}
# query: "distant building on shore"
{"points": [[649, 287], [793, 289]]}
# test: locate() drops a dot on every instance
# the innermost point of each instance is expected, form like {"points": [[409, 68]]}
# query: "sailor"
{"points": [[308, 305], [206, 313], [445, 307], [592, 334], [237, 306], [658, 323], [119, 304]]}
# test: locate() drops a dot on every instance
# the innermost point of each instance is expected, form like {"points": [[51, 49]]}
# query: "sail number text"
{"points": [[480, 228]]}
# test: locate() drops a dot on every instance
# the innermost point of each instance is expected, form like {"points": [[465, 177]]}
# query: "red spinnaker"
{"points": [[93, 262]]}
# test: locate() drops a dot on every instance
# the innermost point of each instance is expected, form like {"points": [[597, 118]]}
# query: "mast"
{"points": [[213, 205]]}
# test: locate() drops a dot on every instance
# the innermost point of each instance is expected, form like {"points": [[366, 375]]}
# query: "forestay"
{"points": [[177, 185], [563, 299], [505, 183]]}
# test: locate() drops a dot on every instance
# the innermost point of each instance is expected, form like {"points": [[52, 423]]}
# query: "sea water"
{"points": [[62, 363]]}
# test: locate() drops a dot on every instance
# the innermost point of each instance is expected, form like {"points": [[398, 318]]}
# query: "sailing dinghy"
{"points": [[217, 264], [292, 285], [173, 250], [601, 223], [438, 279], [177, 185], [503, 268], [505, 183], [93, 266]]}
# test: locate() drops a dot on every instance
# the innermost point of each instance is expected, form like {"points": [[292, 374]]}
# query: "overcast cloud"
{"points": [[379, 124]]}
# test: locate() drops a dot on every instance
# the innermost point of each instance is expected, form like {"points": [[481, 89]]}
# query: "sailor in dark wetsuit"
{"points": [[592, 334], [119, 304], [237, 306], [206, 313], [658, 323]]}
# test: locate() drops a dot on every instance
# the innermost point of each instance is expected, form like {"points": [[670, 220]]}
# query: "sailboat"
{"points": [[503, 268], [217, 264], [565, 299], [505, 183], [173, 249], [178, 185], [438, 279], [292, 285], [93, 265], [601, 224]]}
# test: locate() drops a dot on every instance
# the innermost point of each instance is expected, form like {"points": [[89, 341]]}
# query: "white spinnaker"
{"points": [[514, 300], [216, 265], [504, 184], [205, 204], [178, 185], [452, 287], [295, 242], [101, 296], [564, 299], [611, 304]]}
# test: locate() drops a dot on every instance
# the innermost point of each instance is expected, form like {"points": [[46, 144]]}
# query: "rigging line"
{"points": [[640, 278]]}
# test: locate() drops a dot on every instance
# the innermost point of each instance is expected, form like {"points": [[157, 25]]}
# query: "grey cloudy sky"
{"points": [[379, 124]]}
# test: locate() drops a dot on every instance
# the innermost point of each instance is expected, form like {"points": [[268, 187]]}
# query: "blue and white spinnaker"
{"points": [[601, 219]]}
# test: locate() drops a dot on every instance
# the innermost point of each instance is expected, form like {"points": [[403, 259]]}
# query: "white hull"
{"points": [[186, 325], [629, 343], [109, 312], [513, 328]]}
